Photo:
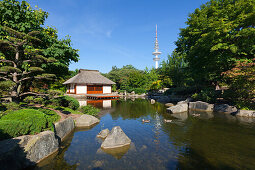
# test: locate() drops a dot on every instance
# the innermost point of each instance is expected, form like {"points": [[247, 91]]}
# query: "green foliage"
{"points": [[128, 77], [11, 106], [53, 93], [90, 110], [66, 101], [40, 49], [65, 110], [13, 128], [39, 100], [6, 87], [136, 90], [29, 99], [207, 95], [216, 35], [183, 91], [35, 120], [26, 121]]}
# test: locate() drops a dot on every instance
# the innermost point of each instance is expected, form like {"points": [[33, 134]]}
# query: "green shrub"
{"points": [[39, 100], [182, 91], [36, 118], [53, 93], [139, 90], [51, 116], [66, 101], [29, 99], [11, 106], [207, 95], [90, 110], [67, 110], [13, 128]]}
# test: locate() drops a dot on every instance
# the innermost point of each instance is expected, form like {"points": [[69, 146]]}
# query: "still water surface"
{"points": [[209, 141]]}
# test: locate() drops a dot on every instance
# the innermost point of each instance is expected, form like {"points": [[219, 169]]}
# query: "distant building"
{"points": [[89, 82]]}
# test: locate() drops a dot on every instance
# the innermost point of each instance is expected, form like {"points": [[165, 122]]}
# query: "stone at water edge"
{"points": [[203, 106], [178, 108], [153, 101], [86, 121], [246, 113], [169, 104], [103, 134], [225, 108], [116, 138]]}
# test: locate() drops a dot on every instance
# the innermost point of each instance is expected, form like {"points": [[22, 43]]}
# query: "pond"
{"points": [[208, 141]]}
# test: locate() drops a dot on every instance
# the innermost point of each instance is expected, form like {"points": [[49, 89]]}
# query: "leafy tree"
{"points": [[21, 17], [173, 71], [21, 61], [216, 35]]}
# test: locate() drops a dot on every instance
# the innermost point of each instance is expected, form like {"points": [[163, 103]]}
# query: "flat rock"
{"points": [[199, 105], [246, 113], [178, 108], [103, 134], [86, 121], [225, 108], [116, 138], [169, 104]]}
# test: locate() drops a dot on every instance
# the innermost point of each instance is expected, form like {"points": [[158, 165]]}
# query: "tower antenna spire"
{"points": [[156, 53]]}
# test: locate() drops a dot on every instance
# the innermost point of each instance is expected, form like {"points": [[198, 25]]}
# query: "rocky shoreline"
{"points": [[28, 150]]}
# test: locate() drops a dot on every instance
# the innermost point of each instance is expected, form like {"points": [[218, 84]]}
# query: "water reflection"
{"points": [[207, 141], [96, 103]]}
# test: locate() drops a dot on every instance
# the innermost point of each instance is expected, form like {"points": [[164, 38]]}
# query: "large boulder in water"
{"points": [[246, 113], [202, 106], [225, 108], [86, 121], [116, 138], [178, 108]]}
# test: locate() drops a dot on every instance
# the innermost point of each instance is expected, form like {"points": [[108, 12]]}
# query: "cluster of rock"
{"points": [[27, 150], [114, 139], [132, 94], [186, 105]]}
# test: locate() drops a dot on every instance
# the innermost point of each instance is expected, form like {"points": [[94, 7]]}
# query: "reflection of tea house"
{"points": [[89, 82]]}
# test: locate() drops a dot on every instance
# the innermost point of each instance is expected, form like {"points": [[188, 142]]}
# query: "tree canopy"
{"points": [[217, 34]]}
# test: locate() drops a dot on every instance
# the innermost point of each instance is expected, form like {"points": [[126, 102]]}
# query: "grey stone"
{"points": [[178, 108], [86, 121], [116, 138], [132, 93], [41, 145], [246, 113], [169, 104], [153, 101], [24, 151], [182, 102], [64, 127], [103, 134], [203, 106], [225, 108]]}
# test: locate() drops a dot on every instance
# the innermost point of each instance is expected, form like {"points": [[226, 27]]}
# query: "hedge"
{"points": [[90, 110], [66, 101]]}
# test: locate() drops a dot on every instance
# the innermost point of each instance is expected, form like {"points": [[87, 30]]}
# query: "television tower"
{"points": [[156, 53]]}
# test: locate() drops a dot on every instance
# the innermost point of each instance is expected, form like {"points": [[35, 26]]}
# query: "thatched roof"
{"points": [[89, 77]]}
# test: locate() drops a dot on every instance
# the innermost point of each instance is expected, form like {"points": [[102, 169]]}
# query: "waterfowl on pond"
{"points": [[167, 121], [145, 121], [195, 115]]}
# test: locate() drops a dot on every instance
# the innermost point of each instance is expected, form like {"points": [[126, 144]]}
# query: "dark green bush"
{"points": [[207, 95], [29, 99], [67, 101], [90, 110], [11, 106], [13, 128], [53, 93], [183, 90], [39, 100], [36, 119], [139, 90]]}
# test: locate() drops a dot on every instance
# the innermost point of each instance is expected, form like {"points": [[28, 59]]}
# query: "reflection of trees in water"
{"points": [[134, 109], [211, 144]]}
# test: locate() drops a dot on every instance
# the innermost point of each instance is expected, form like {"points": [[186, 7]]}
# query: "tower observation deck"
{"points": [[156, 53]]}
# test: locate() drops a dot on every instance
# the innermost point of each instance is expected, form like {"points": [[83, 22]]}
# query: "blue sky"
{"points": [[118, 32]]}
